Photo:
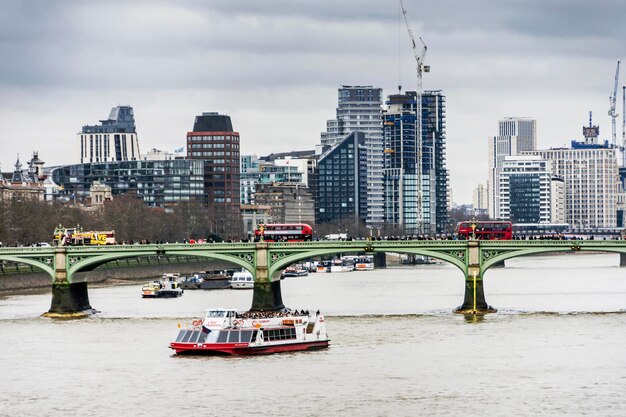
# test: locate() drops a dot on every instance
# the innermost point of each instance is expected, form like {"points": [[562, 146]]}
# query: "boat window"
{"points": [[246, 335], [254, 333], [233, 336], [194, 336], [221, 338], [216, 313], [248, 278], [187, 336], [202, 337], [181, 334]]}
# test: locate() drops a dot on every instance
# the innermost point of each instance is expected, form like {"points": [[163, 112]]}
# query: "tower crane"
{"points": [[421, 68], [612, 99]]}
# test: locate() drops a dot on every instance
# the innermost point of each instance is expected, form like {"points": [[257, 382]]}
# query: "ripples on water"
{"points": [[556, 347]]}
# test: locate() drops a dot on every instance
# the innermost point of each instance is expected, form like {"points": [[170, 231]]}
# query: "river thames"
{"points": [[556, 347]]}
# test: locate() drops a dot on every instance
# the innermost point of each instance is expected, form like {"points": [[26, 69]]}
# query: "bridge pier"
{"points": [[69, 299], [267, 295], [474, 301], [622, 259]]}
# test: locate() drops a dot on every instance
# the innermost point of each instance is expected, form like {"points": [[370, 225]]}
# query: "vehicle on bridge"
{"points": [[485, 230], [284, 232], [226, 332], [76, 236]]}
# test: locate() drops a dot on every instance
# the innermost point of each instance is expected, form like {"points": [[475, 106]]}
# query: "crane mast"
{"points": [[612, 99], [421, 68]]}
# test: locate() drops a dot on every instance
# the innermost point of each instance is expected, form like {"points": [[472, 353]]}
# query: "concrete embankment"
{"points": [[112, 276]]}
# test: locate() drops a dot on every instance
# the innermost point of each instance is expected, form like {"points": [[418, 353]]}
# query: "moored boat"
{"points": [[225, 331], [242, 280], [364, 263], [167, 287], [296, 271]]}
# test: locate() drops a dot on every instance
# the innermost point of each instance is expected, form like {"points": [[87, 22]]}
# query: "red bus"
{"points": [[486, 230], [286, 232]]}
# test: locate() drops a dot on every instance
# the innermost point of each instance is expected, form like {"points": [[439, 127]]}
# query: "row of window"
{"points": [[215, 138], [213, 146]]}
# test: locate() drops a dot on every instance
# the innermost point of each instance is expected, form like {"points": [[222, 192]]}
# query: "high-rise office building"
{"points": [[435, 174], [401, 163], [515, 135], [214, 141], [114, 139], [360, 109]]}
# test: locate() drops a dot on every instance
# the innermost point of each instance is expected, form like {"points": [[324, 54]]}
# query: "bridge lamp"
{"points": [[473, 226]]}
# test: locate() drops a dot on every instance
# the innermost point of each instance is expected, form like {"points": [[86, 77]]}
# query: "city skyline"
{"points": [[275, 70]]}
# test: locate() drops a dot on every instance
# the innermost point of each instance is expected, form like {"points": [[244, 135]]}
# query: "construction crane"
{"points": [[623, 147], [612, 99], [421, 68]]}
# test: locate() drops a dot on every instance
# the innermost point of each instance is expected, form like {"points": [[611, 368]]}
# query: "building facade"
{"points": [[435, 174], [214, 142], [402, 191], [114, 139], [159, 183], [340, 182], [591, 180], [515, 134], [288, 202], [526, 190], [360, 109]]}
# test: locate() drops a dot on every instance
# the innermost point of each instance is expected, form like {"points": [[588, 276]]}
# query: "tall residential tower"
{"points": [[114, 139]]}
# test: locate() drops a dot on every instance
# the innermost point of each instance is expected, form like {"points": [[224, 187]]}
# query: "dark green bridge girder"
{"points": [[267, 260]]}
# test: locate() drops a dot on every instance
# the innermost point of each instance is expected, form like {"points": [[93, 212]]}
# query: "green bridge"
{"points": [[266, 261]]}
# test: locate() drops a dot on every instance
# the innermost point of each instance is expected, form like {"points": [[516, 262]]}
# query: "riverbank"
{"points": [[38, 282]]}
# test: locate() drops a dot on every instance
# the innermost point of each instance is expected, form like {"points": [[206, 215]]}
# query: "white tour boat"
{"points": [[225, 331], [242, 280]]}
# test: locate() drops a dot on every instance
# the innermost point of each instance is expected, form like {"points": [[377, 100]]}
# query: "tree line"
{"points": [[28, 222]]}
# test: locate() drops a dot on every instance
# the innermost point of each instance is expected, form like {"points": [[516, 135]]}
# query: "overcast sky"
{"points": [[274, 66]]}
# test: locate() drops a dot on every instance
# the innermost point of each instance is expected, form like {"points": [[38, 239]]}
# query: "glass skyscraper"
{"points": [[360, 109]]}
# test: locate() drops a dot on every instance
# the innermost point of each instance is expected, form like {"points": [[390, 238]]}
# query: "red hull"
{"points": [[243, 348]]}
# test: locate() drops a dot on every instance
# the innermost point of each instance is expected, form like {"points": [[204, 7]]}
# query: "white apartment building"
{"points": [[591, 182], [114, 139], [525, 190]]}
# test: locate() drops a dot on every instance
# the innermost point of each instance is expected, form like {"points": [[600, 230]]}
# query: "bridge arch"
{"points": [[491, 256], [46, 264], [284, 258]]}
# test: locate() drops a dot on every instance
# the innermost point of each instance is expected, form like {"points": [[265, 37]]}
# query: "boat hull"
{"points": [[245, 348]]}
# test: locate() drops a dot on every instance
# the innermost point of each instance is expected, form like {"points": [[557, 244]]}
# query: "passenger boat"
{"points": [[364, 263], [242, 280], [225, 331], [167, 287]]}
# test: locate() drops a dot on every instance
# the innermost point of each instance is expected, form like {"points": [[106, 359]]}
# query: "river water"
{"points": [[557, 346]]}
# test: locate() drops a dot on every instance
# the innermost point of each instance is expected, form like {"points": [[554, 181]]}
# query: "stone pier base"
{"points": [[267, 297], [69, 300], [622, 259], [480, 306]]}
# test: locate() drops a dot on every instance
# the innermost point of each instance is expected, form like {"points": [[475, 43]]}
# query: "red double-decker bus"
{"points": [[284, 232], [486, 230]]}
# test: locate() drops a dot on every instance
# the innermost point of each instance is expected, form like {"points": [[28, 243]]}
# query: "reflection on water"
{"points": [[555, 347]]}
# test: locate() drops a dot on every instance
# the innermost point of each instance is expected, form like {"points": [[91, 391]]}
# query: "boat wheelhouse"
{"points": [[225, 331], [242, 280]]}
